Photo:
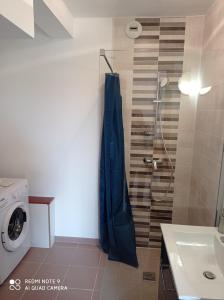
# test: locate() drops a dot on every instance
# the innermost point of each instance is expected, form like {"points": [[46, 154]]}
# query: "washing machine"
{"points": [[14, 224]]}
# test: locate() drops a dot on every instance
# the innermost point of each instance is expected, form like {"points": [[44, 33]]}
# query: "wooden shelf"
{"points": [[40, 200]]}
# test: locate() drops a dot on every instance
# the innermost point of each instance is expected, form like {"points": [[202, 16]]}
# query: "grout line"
{"points": [[97, 274], [45, 257], [63, 246], [101, 258], [94, 285], [44, 261], [63, 280], [78, 289], [74, 245], [40, 264], [65, 265]]}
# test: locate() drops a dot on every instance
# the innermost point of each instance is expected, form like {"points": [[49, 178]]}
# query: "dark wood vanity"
{"points": [[167, 290]]}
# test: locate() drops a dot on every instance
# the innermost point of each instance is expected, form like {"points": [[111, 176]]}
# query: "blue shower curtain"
{"points": [[117, 233]]}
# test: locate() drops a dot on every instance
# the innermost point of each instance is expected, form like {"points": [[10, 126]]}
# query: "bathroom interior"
{"points": [[112, 117]]}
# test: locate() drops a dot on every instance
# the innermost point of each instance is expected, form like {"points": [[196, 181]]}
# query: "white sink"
{"points": [[193, 250]]}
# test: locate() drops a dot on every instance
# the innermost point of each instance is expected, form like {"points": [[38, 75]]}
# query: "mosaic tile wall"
{"points": [[160, 48]]}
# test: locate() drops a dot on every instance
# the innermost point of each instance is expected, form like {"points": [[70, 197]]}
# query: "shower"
{"points": [[162, 82], [152, 104]]}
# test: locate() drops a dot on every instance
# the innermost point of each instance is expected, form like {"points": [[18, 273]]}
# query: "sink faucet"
{"points": [[221, 223]]}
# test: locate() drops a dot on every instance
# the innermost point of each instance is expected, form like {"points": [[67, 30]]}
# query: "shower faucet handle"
{"points": [[148, 133], [150, 161], [147, 160], [155, 167], [154, 162]]}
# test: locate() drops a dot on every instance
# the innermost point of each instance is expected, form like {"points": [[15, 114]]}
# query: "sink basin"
{"points": [[196, 256]]}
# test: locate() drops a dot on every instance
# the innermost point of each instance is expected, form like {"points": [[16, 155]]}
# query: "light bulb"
{"points": [[205, 90], [184, 84], [191, 86]]}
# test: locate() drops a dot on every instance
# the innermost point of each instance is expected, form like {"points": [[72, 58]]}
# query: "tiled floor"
{"points": [[85, 272]]}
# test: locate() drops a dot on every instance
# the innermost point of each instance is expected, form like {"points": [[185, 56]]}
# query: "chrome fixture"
{"points": [[103, 54], [154, 162], [155, 165], [209, 275], [148, 133], [147, 160], [162, 81], [221, 223]]}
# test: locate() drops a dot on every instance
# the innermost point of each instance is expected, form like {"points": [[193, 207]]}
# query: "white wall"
{"points": [[50, 120], [54, 18], [24, 19]]}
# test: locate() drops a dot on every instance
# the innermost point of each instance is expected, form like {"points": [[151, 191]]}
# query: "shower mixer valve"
{"points": [[147, 160], [155, 165], [152, 161]]}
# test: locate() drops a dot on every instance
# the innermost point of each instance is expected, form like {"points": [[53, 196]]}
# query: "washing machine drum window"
{"points": [[16, 223], [15, 226]]}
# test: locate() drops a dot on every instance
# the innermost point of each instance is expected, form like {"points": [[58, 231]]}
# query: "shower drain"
{"points": [[209, 275]]}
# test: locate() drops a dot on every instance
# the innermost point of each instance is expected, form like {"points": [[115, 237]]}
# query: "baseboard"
{"points": [[77, 240]]}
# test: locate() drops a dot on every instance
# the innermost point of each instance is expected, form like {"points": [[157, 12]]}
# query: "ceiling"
{"points": [[119, 8]]}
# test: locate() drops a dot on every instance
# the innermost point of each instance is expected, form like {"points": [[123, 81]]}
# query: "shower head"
{"points": [[163, 81]]}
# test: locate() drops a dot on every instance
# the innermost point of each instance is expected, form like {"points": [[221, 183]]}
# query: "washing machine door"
{"points": [[15, 226]]}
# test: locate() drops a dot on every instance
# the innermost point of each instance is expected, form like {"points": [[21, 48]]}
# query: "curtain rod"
{"points": [[103, 54]]}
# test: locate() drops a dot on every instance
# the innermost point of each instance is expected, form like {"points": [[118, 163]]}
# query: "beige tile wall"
{"points": [[201, 123], [187, 118], [209, 129], [160, 47]]}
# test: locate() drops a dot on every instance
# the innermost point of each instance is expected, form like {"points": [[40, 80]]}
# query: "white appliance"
{"points": [[14, 224]]}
